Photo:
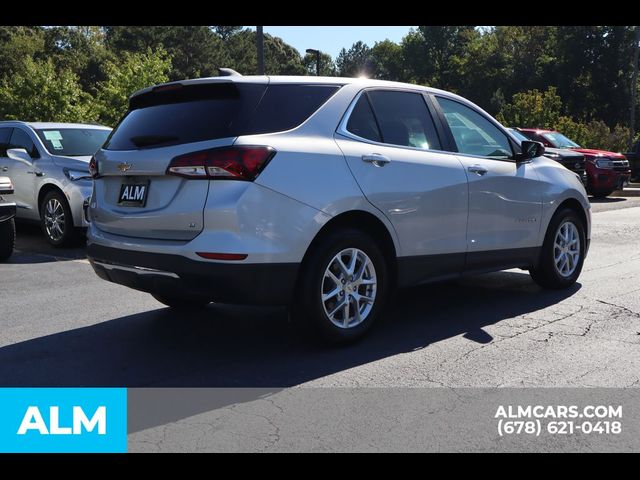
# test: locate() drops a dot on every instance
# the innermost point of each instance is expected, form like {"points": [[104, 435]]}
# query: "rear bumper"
{"points": [[175, 275], [7, 211]]}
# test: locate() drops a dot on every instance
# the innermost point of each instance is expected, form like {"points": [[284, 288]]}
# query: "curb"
{"points": [[627, 192]]}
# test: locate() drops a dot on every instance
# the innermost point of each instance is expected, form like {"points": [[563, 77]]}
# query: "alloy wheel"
{"points": [[348, 289], [54, 220], [566, 249]]}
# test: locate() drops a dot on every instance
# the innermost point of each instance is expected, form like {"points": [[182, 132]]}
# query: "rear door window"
{"points": [[284, 107], [404, 119], [362, 122], [202, 112]]}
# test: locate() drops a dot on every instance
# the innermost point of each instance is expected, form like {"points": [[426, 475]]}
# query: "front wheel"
{"points": [[343, 286], [562, 254], [56, 220]]}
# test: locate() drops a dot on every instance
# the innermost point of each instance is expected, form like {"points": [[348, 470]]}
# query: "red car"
{"points": [[606, 171]]}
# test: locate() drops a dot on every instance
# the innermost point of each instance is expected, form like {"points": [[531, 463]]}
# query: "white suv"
{"points": [[323, 194]]}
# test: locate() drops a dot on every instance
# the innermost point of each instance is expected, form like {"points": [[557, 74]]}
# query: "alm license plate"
{"points": [[133, 194]]}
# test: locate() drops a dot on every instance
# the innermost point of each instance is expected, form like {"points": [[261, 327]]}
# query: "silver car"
{"points": [[49, 166], [323, 194]]}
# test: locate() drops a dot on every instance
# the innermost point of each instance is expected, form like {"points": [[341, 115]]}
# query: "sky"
{"points": [[332, 39]]}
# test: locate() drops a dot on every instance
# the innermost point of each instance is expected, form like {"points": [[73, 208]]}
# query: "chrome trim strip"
{"points": [[135, 269]]}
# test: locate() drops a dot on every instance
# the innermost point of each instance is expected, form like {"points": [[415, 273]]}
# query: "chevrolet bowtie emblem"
{"points": [[123, 167]]}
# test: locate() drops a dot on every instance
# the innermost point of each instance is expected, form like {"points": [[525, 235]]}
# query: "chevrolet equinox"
{"points": [[323, 194]]}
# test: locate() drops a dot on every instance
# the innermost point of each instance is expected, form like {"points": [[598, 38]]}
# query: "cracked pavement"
{"points": [[63, 326]]}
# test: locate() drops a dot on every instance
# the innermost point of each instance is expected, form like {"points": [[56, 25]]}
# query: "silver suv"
{"points": [[323, 194], [49, 166]]}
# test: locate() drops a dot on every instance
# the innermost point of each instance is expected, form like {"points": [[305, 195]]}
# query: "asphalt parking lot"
{"points": [[60, 325]]}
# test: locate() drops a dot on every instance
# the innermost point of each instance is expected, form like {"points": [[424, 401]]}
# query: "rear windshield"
{"points": [[210, 111], [72, 142]]}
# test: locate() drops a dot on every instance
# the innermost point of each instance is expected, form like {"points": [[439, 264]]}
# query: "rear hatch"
{"points": [[133, 195]]}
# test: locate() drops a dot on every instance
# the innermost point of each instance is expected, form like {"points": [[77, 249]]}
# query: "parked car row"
{"points": [[570, 159], [321, 194], [48, 164], [606, 171]]}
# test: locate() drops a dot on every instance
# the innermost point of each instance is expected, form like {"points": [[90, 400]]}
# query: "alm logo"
{"points": [[63, 420], [33, 420]]}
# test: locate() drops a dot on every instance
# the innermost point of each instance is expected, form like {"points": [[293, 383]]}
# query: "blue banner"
{"points": [[63, 420]]}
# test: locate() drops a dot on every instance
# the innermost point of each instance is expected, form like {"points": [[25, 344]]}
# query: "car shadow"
{"points": [[231, 346], [254, 349], [31, 246], [607, 199]]}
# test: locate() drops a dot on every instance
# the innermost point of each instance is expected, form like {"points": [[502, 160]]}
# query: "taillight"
{"points": [[242, 162], [93, 167]]}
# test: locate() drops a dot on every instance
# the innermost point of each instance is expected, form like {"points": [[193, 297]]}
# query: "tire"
{"points": [[56, 220], [321, 317], [547, 273], [602, 193], [7, 239], [182, 303]]}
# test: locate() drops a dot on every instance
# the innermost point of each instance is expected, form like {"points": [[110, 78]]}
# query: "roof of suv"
{"points": [[301, 79], [52, 125]]}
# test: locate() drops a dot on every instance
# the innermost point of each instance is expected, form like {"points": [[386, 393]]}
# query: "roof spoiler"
{"points": [[228, 72]]}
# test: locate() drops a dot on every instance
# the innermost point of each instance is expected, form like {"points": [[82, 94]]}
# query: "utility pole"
{"points": [[260, 45], [315, 52], [634, 87]]}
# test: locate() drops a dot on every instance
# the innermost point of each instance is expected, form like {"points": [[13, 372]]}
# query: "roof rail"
{"points": [[228, 72]]}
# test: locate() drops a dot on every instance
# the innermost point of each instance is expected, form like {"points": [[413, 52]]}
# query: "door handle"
{"points": [[5, 169], [36, 173], [477, 169], [377, 159]]}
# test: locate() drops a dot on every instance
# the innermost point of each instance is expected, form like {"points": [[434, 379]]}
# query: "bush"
{"points": [[535, 109], [134, 72], [40, 93]]}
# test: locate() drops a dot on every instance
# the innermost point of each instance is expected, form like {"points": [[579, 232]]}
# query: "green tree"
{"points": [[532, 109], [356, 61], [388, 61], [80, 49], [38, 92], [134, 72], [196, 51], [18, 43], [280, 58], [225, 31], [435, 55]]}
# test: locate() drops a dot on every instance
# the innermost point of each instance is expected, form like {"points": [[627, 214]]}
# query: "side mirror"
{"points": [[530, 150], [19, 154]]}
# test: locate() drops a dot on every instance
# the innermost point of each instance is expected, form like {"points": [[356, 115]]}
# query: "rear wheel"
{"points": [[56, 220], [7, 238], [182, 303], [562, 253], [343, 286]]}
